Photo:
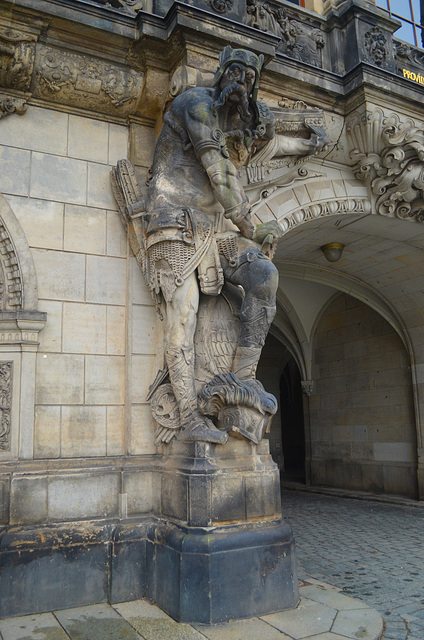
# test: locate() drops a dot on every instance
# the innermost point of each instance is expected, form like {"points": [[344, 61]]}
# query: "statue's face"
{"points": [[237, 73]]}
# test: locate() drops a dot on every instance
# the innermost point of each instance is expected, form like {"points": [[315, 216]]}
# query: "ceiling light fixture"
{"points": [[333, 251]]}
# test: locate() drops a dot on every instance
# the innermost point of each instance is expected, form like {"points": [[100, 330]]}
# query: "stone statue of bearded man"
{"points": [[197, 233]]}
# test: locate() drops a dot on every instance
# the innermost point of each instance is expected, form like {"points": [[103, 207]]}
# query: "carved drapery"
{"points": [[389, 154]]}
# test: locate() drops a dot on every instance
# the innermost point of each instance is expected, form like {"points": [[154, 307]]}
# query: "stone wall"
{"points": [[362, 418], [96, 352]]}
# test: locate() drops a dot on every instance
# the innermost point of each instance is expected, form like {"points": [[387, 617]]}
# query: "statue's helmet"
{"points": [[247, 58]]}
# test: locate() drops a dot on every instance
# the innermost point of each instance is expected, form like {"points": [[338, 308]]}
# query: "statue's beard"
{"points": [[243, 103]]}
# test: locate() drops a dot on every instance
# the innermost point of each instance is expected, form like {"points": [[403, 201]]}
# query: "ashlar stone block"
{"points": [[59, 379], [61, 276], [145, 321], [40, 129], [115, 430], [85, 230], [106, 280], [51, 336], [60, 179], [15, 173], [47, 432], [84, 328], [142, 430], [99, 187], [83, 431], [83, 496], [104, 380], [116, 238], [115, 331], [41, 221], [28, 500], [118, 143], [88, 139]]}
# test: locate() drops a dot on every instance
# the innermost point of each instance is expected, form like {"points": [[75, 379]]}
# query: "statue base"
{"points": [[221, 550], [227, 573]]}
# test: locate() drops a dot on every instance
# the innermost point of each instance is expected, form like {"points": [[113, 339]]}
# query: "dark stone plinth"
{"points": [[221, 574], [71, 565]]}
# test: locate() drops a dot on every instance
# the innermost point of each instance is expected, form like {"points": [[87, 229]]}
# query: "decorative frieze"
{"points": [[86, 82]]}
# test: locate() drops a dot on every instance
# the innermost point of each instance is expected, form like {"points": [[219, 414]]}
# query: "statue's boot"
{"points": [[194, 426], [255, 320]]}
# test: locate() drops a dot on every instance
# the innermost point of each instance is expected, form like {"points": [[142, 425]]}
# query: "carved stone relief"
{"points": [[10, 104], [389, 154], [6, 376], [84, 82], [17, 55], [300, 40], [221, 6], [376, 46]]}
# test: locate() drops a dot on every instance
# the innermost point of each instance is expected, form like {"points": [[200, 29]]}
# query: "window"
{"points": [[410, 13]]}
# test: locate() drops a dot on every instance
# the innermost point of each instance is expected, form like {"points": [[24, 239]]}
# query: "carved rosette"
{"points": [[6, 375], [88, 83]]}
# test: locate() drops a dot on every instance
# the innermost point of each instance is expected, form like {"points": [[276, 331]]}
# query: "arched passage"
{"points": [[362, 419]]}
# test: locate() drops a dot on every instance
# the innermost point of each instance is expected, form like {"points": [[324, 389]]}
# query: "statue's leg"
{"points": [[259, 278], [179, 328]]}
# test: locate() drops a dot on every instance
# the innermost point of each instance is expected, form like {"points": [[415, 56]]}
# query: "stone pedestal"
{"points": [[221, 550]]}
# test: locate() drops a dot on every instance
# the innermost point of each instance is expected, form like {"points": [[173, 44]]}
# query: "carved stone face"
{"points": [[237, 73]]}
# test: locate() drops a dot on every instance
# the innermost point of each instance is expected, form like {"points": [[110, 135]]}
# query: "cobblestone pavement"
{"points": [[374, 551]]}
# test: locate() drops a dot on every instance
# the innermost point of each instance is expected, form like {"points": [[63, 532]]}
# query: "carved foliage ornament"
{"points": [[17, 55], [6, 371], [390, 154]]}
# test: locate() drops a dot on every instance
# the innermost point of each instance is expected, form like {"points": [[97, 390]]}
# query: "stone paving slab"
{"points": [[43, 626], [95, 622], [140, 620]]}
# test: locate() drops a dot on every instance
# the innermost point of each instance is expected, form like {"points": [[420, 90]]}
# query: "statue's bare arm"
{"points": [[221, 171]]}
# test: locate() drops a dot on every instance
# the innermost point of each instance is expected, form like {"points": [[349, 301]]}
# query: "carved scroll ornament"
{"points": [[389, 154]]}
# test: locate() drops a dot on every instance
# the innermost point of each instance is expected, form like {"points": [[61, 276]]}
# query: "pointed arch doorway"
{"points": [[280, 375]]}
